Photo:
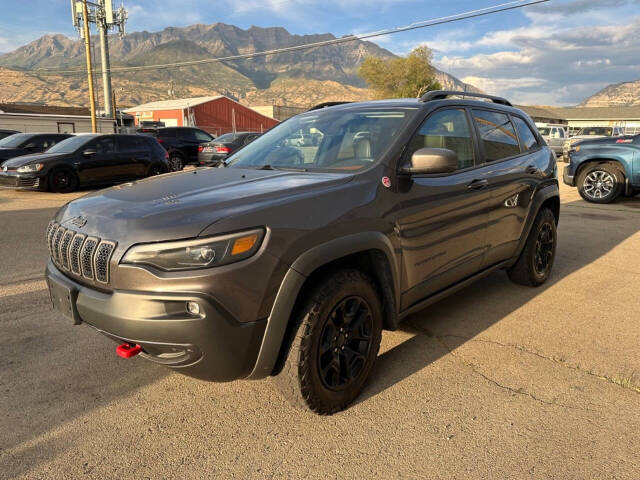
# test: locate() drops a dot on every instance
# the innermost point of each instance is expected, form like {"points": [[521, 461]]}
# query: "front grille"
{"points": [[28, 182], [79, 255]]}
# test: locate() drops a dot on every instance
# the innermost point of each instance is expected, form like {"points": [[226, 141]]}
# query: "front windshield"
{"points": [[71, 144], [605, 131], [338, 140], [15, 140], [544, 131]]}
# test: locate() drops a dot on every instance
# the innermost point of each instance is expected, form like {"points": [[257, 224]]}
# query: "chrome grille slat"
{"points": [[101, 260], [86, 257], [56, 244], [74, 253], [64, 248]]}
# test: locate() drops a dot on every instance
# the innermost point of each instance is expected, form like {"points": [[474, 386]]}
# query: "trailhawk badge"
{"points": [[386, 181]]}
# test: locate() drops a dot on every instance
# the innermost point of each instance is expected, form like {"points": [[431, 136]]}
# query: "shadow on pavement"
{"points": [[471, 311]]}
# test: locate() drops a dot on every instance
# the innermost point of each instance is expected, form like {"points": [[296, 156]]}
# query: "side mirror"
{"points": [[89, 151], [431, 161]]}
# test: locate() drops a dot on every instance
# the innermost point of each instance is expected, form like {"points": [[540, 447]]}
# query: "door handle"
{"points": [[478, 184], [531, 169]]}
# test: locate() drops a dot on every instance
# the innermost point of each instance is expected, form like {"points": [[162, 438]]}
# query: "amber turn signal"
{"points": [[244, 244]]}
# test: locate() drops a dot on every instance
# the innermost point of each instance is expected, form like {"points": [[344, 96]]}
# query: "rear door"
{"points": [[134, 156], [442, 219], [515, 171]]}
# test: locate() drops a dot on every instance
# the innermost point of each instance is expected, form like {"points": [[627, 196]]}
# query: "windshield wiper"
{"points": [[286, 169]]}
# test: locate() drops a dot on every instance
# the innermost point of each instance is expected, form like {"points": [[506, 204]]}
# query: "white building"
{"points": [[50, 119]]}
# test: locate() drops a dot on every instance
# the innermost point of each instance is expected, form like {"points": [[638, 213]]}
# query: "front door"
{"points": [[442, 219]]}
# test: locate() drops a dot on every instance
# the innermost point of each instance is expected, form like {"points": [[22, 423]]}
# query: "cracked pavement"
{"points": [[496, 381]]}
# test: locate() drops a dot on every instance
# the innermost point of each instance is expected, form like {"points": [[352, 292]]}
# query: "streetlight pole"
{"points": [[106, 68]]}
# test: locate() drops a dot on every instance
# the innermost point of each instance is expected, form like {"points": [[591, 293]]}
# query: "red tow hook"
{"points": [[126, 350]]}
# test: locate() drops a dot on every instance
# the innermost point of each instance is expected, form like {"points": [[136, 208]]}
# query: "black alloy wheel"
{"points": [[544, 249], [63, 181], [345, 343]]}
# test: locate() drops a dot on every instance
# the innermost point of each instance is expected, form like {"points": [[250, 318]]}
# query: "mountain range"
{"points": [[624, 94], [300, 78]]}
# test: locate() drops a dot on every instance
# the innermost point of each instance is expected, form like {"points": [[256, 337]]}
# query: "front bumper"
{"points": [[210, 346], [567, 178], [20, 181]]}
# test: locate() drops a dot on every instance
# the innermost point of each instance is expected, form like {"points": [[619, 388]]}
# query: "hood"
{"points": [[7, 153], [182, 204], [32, 158]]}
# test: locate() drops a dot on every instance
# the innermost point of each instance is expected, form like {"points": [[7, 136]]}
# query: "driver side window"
{"points": [[447, 129], [103, 145]]}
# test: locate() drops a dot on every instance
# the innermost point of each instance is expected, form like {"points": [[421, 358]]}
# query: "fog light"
{"points": [[193, 308]]}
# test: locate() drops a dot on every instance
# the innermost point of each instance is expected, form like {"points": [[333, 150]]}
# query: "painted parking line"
{"points": [[23, 287]]}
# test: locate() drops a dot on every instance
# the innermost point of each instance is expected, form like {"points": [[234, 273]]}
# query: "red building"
{"points": [[216, 115]]}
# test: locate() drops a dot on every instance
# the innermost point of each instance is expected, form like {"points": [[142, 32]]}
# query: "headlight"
{"points": [[197, 253], [32, 167]]}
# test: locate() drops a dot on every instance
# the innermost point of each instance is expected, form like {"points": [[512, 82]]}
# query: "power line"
{"points": [[348, 38]]}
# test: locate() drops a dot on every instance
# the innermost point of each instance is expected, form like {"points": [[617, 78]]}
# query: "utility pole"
{"points": [[105, 18], [106, 67], [87, 49]]}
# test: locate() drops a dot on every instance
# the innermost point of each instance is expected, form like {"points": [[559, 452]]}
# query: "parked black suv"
{"points": [[92, 159], [215, 152], [290, 264], [26, 143], [181, 143]]}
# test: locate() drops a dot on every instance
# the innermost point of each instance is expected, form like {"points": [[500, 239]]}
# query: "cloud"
{"points": [[579, 6], [548, 63]]}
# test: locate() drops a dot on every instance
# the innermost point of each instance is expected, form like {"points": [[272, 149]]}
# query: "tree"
{"points": [[402, 77]]}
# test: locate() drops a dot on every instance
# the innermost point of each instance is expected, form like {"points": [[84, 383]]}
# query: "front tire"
{"points": [[335, 346], [536, 260], [600, 183], [63, 180]]}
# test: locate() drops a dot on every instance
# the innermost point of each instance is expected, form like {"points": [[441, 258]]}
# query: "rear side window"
{"points": [[167, 132], [496, 134], [527, 138], [202, 136], [131, 144], [446, 129], [187, 134]]}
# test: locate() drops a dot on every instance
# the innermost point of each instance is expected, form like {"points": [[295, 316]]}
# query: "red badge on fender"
{"points": [[386, 181]]}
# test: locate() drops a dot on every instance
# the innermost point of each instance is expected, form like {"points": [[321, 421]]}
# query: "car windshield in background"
{"points": [[606, 131], [544, 131], [227, 137], [337, 140], [16, 140], [71, 144]]}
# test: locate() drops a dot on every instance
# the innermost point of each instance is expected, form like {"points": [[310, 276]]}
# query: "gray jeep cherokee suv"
{"points": [[290, 260]]}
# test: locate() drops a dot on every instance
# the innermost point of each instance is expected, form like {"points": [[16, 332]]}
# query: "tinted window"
{"points": [[527, 138], [561, 131], [167, 132], [16, 140], [131, 144], [446, 129], [497, 135], [202, 136], [187, 134], [103, 145]]}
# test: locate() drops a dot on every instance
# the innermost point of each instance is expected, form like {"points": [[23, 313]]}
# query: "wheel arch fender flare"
{"points": [[301, 269], [623, 164], [549, 194]]}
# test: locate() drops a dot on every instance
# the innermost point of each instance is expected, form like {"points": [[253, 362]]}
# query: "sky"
{"points": [[555, 53]]}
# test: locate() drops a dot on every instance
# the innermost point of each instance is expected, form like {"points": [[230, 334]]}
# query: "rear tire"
{"points": [[176, 162], [600, 183], [63, 180], [335, 346], [536, 260]]}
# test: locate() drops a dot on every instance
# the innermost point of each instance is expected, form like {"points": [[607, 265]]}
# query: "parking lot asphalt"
{"points": [[496, 381]]}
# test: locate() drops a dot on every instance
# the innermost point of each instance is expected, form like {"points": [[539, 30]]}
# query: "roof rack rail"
{"points": [[442, 94], [325, 105]]}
